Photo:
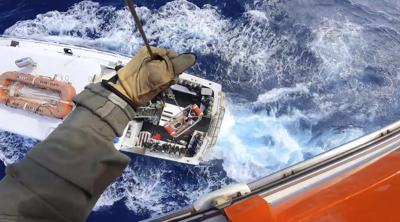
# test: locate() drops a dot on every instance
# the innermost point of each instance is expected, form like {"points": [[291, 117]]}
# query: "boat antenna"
{"points": [[139, 26]]}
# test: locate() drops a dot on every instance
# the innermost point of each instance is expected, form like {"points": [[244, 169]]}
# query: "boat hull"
{"points": [[81, 66]]}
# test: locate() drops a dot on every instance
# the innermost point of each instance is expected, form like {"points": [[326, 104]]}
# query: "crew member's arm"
{"points": [[61, 178]]}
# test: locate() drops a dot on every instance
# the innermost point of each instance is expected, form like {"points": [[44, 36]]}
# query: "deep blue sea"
{"points": [[301, 77]]}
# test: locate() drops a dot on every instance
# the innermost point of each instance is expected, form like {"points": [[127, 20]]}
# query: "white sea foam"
{"points": [[356, 67], [339, 45], [13, 148], [180, 25], [279, 94], [253, 145], [155, 190]]}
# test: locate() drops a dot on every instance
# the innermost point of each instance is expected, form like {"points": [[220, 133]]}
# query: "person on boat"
{"points": [[62, 177]]}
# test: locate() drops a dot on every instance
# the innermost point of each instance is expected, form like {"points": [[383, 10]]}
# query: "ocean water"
{"points": [[301, 77]]}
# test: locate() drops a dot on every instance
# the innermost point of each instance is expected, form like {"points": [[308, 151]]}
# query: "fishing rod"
{"points": [[139, 26]]}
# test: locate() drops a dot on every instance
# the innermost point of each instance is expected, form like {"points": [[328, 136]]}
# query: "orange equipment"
{"points": [[184, 120], [254, 209], [367, 194], [37, 94]]}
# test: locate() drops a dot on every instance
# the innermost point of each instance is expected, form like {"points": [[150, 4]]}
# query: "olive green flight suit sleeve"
{"points": [[61, 178]]}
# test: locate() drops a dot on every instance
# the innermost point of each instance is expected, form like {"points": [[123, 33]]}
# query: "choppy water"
{"points": [[302, 76]]}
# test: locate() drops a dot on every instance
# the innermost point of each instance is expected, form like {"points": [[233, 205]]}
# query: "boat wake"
{"points": [[299, 80]]}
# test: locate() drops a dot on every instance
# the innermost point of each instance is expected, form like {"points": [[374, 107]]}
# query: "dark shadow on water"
{"points": [[2, 170], [116, 212], [14, 11]]}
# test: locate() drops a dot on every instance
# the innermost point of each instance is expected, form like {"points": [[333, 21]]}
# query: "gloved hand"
{"points": [[142, 78]]}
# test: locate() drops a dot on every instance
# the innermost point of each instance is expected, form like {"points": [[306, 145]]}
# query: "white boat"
{"points": [[181, 125]]}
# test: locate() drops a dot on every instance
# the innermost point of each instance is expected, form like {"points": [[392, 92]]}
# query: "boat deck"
{"points": [[81, 66], [51, 61]]}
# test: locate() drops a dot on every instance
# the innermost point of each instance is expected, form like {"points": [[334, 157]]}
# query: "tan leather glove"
{"points": [[142, 78]]}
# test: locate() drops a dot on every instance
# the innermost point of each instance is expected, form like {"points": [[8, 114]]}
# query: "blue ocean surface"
{"points": [[301, 77]]}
